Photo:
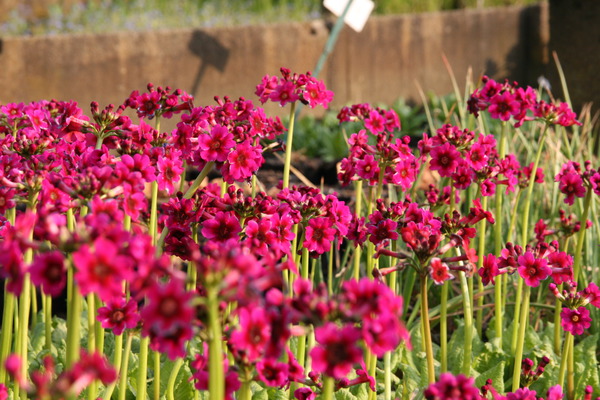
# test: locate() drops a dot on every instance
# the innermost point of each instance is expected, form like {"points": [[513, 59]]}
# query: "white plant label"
{"points": [[357, 14]]}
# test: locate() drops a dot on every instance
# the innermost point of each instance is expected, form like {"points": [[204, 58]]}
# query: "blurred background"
{"points": [[101, 50]]}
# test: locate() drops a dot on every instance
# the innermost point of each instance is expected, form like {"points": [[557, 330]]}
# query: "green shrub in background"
{"points": [[95, 16]]}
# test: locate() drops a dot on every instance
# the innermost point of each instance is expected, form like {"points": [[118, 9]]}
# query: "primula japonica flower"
{"points": [[575, 321], [575, 181], [293, 87], [252, 337], [101, 269], [337, 350], [158, 102], [439, 271], [69, 383], [505, 101], [379, 310], [14, 244], [304, 393], [319, 235], [532, 269], [166, 317], [49, 272], [118, 315], [451, 387], [221, 227]]}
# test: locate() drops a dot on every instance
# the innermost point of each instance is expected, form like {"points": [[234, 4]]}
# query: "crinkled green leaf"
{"points": [[586, 365], [344, 394]]}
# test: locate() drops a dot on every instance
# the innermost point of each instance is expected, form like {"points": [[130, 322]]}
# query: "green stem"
{"points": [[125, 367], [156, 382], [427, 329], [571, 371], [153, 210], [358, 211], [288, 148], [498, 309], [567, 348], [524, 318], [328, 386], [171, 383], [245, 393], [91, 306], [372, 365], [142, 378], [116, 362], [216, 383], [481, 251], [47, 307], [444, 327], [468, 313], [557, 327], [527, 205], [8, 313], [517, 313], [330, 271], [581, 235]]}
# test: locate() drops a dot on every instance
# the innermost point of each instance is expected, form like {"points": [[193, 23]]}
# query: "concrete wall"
{"points": [[380, 64], [575, 38]]}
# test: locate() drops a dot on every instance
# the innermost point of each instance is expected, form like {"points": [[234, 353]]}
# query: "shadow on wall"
{"points": [[211, 52], [528, 59]]}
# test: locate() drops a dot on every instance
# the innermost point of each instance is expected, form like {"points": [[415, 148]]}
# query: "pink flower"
{"points": [[337, 350], [575, 321], [318, 235], [284, 93], [592, 294], [439, 271], [444, 159], [167, 318], [242, 162], [49, 271], [170, 167], [503, 106], [522, 394], [305, 393], [450, 387], [119, 315], [272, 372], [221, 227], [260, 235], [367, 167], [533, 270], [253, 335], [555, 393], [463, 176], [489, 270], [216, 145], [100, 269], [6, 199], [375, 122], [384, 229], [571, 184], [561, 265], [316, 93]]}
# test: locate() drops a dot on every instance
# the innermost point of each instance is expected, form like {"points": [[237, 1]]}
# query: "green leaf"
{"points": [[277, 394], [344, 394], [586, 365], [496, 374], [262, 394], [361, 392]]}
